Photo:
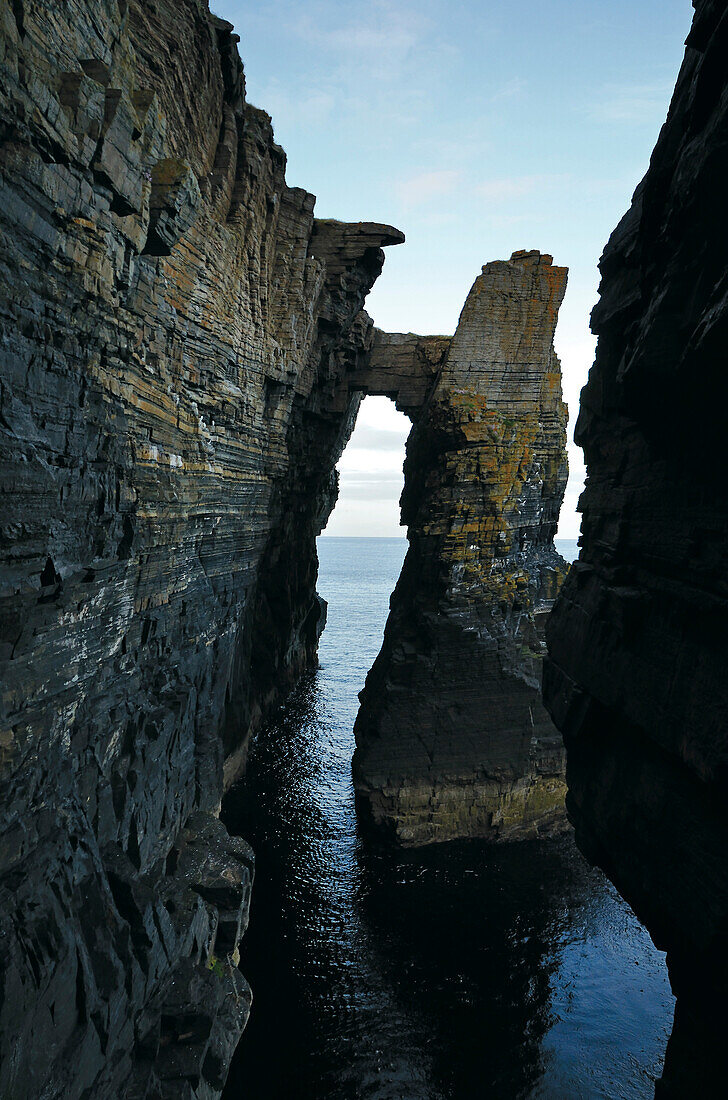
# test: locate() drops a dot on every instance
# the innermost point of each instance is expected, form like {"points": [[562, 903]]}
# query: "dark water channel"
{"points": [[459, 971]]}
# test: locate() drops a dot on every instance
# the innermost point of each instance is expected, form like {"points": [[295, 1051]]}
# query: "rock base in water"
{"points": [[638, 645], [175, 323], [452, 737]]}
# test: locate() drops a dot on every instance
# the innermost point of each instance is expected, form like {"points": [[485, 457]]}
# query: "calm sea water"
{"points": [[461, 971], [568, 548]]}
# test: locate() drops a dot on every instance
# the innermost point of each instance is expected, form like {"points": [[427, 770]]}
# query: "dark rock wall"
{"points": [[452, 736], [638, 642], [173, 325]]}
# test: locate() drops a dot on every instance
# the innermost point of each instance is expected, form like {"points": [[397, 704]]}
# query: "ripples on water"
{"points": [[457, 971]]}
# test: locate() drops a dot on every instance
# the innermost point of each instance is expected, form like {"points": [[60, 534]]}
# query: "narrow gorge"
{"points": [[184, 352]]}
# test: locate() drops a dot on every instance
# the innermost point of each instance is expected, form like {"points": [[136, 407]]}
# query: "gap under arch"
{"points": [[370, 474]]}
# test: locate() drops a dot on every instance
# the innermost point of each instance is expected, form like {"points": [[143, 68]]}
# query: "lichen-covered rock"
{"points": [[404, 367], [173, 326], [183, 350], [452, 737], [638, 644]]}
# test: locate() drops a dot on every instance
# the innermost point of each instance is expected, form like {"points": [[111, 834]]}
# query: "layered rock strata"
{"points": [[638, 643], [183, 354], [174, 327], [452, 736]]}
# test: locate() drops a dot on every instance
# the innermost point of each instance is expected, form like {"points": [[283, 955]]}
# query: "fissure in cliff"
{"points": [[183, 353]]}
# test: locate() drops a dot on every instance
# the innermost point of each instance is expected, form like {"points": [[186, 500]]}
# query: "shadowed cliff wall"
{"points": [[638, 643]]}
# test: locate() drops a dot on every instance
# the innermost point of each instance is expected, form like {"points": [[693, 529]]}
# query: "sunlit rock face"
{"points": [[175, 323], [637, 641], [452, 736]]}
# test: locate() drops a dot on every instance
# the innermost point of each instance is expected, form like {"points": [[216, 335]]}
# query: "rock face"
{"points": [[183, 351], [452, 737], [638, 643], [174, 327]]}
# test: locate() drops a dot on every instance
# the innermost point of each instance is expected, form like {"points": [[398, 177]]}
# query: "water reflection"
{"points": [[457, 971]]}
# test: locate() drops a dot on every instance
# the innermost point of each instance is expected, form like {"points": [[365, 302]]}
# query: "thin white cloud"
{"points": [[371, 489], [505, 188], [426, 186], [381, 413], [380, 518], [632, 103], [287, 109], [379, 37], [378, 439], [509, 187], [373, 479], [463, 150], [368, 461], [511, 90]]}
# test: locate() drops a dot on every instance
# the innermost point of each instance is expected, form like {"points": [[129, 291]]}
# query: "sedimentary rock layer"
{"points": [[638, 643], [174, 326], [452, 737]]}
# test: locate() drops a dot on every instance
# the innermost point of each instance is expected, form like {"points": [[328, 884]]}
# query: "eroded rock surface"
{"points": [[183, 354], [174, 327], [452, 737], [638, 643]]}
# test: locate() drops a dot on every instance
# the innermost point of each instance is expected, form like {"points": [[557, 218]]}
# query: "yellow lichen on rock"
{"points": [[452, 738]]}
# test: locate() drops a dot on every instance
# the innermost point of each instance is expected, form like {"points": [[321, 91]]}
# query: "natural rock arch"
{"points": [[184, 346], [452, 737]]}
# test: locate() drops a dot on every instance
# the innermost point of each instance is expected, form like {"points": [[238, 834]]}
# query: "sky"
{"points": [[478, 128]]}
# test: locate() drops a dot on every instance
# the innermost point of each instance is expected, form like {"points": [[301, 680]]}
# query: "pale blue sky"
{"points": [[478, 128]]}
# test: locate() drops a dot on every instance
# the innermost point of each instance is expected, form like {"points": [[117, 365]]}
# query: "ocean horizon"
{"points": [[568, 548]]}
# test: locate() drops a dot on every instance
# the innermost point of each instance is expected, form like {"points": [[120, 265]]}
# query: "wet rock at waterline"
{"points": [[452, 737]]}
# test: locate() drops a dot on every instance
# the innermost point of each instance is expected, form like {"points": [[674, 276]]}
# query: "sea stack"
{"points": [[452, 736]]}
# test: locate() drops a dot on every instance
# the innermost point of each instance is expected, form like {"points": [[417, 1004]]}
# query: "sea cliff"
{"points": [[174, 320], [183, 351], [636, 677]]}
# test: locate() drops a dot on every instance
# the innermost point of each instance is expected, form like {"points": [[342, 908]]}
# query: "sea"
{"points": [[455, 972]]}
